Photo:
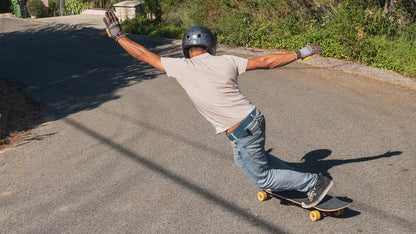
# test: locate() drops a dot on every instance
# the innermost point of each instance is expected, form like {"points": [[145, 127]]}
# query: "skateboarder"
{"points": [[211, 83]]}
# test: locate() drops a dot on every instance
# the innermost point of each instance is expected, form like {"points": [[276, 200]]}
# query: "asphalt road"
{"points": [[123, 150]]}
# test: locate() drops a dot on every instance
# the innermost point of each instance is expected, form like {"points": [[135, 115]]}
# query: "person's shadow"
{"points": [[313, 162]]}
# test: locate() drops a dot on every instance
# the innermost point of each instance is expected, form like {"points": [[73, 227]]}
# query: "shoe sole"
{"points": [[320, 197]]}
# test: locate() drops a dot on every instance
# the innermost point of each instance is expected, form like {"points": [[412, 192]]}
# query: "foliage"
{"points": [[14, 8], [75, 5], [36, 8], [153, 7], [139, 25], [109, 3], [142, 25], [380, 33], [53, 7], [168, 31]]}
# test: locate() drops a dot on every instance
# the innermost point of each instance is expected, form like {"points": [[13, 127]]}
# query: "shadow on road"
{"points": [[70, 68], [314, 162], [178, 180]]}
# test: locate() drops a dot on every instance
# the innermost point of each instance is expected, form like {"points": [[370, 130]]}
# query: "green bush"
{"points": [[53, 8], [36, 8], [139, 25], [142, 25], [15, 8], [169, 31], [75, 5], [355, 30]]}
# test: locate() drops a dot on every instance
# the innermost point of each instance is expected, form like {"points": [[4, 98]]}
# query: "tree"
{"points": [[153, 8]]}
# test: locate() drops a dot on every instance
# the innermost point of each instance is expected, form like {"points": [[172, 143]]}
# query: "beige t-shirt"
{"points": [[211, 83]]}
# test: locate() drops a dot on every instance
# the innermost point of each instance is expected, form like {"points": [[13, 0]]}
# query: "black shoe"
{"points": [[315, 195]]}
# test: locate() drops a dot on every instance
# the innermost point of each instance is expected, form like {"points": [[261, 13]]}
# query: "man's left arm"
{"points": [[141, 53], [276, 60]]}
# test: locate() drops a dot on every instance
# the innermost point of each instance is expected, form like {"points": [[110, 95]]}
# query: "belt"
{"points": [[241, 130]]}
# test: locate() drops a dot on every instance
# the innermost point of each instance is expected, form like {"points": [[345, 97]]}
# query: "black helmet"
{"points": [[199, 36]]}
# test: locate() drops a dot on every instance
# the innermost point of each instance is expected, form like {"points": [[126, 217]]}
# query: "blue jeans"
{"points": [[263, 169]]}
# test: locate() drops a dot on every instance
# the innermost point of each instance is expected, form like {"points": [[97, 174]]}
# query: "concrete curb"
{"points": [[93, 12]]}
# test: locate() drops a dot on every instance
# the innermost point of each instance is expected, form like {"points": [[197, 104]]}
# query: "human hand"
{"points": [[309, 50], [113, 25]]}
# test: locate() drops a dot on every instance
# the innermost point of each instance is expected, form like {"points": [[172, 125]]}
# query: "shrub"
{"points": [[356, 30], [138, 25], [53, 7], [15, 8], [36, 8], [142, 25], [75, 5], [169, 31]]}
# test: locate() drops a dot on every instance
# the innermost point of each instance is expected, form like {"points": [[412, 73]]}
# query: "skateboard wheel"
{"points": [[315, 215], [339, 212], [262, 196]]}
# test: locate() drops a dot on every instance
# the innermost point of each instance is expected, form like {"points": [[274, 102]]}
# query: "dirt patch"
{"points": [[18, 114]]}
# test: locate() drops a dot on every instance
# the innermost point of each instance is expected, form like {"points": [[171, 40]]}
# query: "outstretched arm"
{"points": [[141, 53], [136, 50], [276, 60]]}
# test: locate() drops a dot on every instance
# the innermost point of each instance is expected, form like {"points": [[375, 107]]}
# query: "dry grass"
{"points": [[18, 114]]}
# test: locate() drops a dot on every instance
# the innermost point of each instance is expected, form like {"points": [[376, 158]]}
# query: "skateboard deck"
{"points": [[328, 205]]}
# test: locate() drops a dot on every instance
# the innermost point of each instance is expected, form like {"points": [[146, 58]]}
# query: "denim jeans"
{"points": [[263, 169]]}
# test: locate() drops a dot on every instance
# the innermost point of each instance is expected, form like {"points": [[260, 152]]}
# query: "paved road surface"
{"points": [[122, 149]]}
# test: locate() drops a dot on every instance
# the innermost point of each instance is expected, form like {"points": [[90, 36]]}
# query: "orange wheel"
{"points": [[339, 212], [262, 196], [315, 215]]}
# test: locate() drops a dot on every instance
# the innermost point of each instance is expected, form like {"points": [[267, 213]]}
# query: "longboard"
{"points": [[328, 205]]}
